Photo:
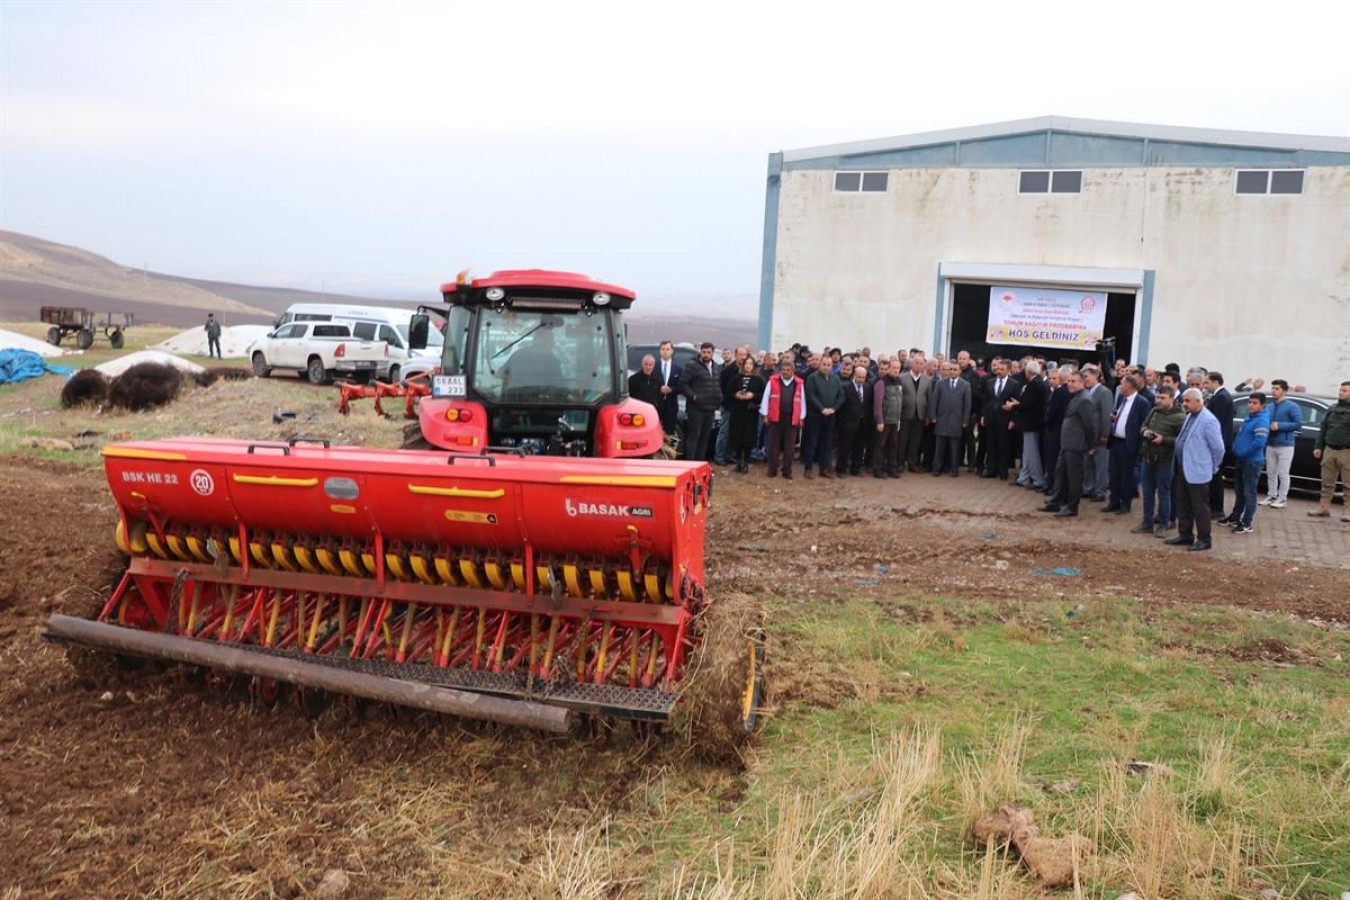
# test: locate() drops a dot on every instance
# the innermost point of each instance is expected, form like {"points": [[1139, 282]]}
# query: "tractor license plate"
{"points": [[448, 386]]}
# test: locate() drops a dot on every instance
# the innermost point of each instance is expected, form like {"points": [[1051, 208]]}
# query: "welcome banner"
{"points": [[1040, 317]]}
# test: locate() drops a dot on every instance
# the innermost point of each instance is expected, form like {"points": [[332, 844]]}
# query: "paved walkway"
{"points": [[969, 503]]}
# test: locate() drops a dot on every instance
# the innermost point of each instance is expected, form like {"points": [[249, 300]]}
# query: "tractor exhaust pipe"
{"points": [[235, 658]]}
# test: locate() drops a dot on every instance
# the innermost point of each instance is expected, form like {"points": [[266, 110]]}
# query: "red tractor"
{"points": [[534, 362]]}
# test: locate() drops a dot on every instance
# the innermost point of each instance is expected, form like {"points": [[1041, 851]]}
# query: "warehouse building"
{"points": [[1220, 248]]}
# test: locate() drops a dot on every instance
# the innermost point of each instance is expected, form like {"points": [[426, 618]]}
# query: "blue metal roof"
{"points": [[1055, 142]]}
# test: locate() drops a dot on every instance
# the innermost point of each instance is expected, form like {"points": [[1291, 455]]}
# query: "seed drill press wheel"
{"points": [[722, 692]]}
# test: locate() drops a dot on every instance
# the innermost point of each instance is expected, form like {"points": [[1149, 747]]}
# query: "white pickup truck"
{"points": [[318, 351]]}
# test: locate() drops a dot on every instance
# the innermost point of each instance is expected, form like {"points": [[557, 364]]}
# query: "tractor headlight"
{"points": [[495, 293], [600, 298]]}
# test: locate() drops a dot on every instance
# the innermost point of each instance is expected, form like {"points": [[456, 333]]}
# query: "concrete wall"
{"points": [[1247, 284]]}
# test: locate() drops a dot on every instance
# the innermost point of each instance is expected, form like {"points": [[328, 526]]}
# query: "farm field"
{"points": [[1190, 717]]}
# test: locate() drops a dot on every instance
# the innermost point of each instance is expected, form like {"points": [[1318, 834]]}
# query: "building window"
{"points": [[1034, 181], [1270, 181], [867, 182]]}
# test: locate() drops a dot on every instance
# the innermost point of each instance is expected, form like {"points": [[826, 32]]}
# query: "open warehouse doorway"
{"points": [[969, 330]]}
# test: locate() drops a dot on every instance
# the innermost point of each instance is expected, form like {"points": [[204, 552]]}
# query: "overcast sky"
{"points": [[381, 147]]}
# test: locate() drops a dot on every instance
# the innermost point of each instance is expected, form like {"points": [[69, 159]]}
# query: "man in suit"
{"points": [[1127, 422], [1197, 457], [949, 411], [1097, 475], [1055, 406], [971, 375], [917, 389], [669, 407], [855, 420], [1221, 405], [1029, 416], [998, 421], [1077, 444]]}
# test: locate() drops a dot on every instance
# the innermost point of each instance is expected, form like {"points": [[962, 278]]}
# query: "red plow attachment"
{"points": [[501, 587]]}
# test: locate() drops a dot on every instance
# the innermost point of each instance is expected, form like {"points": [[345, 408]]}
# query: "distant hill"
{"points": [[36, 273]]}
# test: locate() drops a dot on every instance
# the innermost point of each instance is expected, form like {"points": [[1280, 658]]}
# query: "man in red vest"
{"points": [[782, 410]]}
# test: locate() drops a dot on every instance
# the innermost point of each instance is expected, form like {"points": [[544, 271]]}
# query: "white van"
{"points": [[371, 323]]}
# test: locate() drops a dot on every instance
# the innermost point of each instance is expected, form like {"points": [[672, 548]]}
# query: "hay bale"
{"points": [[85, 386], [999, 826], [145, 385], [711, 713], [210, 376]]}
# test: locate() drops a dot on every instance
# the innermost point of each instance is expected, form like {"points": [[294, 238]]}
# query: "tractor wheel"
{"points": [[723, 687], [260, 367], [84, 339], [315, 371], [54, 336], [117, 339]]}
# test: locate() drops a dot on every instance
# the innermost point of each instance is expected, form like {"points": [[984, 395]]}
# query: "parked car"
{"points": [[318, 351], [1305, 474]]}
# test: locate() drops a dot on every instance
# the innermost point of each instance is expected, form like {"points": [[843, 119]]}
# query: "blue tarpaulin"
{"points": [[20, 365]]}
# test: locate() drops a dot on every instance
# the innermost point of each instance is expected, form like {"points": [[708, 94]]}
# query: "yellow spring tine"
{"points": [[369, 560], [422, 569], [518, 575], [469, 570], [260, 554], [395, 564], [445, 570], [572, 578], [328, 561], [137, 537], [351, 563], [305, 557], [653, 582], [627, 588], [120, 537], [272, 619], [152, 541], [543, 577], [235, 550], [495, 575], [198, 549], [599, 584], [281, 554], [176, 547]]}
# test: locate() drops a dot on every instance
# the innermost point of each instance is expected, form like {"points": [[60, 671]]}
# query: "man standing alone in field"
{"points": [[212, 336]]}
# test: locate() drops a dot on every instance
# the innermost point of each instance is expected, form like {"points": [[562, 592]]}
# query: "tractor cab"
{"points": [[534, 362]]}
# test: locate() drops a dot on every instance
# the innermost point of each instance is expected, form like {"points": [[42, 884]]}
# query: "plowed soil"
{"points": [[145, 783]]}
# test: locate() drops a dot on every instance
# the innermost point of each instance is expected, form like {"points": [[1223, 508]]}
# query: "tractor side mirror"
{"points": [[418, 329]]}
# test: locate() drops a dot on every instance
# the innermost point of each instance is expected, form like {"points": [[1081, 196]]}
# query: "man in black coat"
{"points": [[1077, 444], [644, 385], [1055, 405], [1221, 405], [855, 417], [997, 420], [701, 385], [1029, 416], [970, 374]]}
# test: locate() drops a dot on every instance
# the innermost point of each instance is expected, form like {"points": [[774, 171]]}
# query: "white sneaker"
{"points": [[1265, 501], [1278, 504]]}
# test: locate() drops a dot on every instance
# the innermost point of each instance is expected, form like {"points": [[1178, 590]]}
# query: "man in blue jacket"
{"points": [[1286, 421], [1198, 455], [1249, 454]]}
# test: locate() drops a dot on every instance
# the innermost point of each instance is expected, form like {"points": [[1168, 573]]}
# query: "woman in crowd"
{"points": [[742, 401]]}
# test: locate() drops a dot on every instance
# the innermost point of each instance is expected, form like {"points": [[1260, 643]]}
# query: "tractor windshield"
{"points": [[532, 356]]}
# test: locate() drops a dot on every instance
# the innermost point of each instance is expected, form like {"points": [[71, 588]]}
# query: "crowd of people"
{"points": [[1125, 436]]}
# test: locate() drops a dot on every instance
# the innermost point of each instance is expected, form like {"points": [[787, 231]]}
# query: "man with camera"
{"points": [[1159, 439]]}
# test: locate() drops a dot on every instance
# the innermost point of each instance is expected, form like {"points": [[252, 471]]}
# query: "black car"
{"points": [[1305, 474]]}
